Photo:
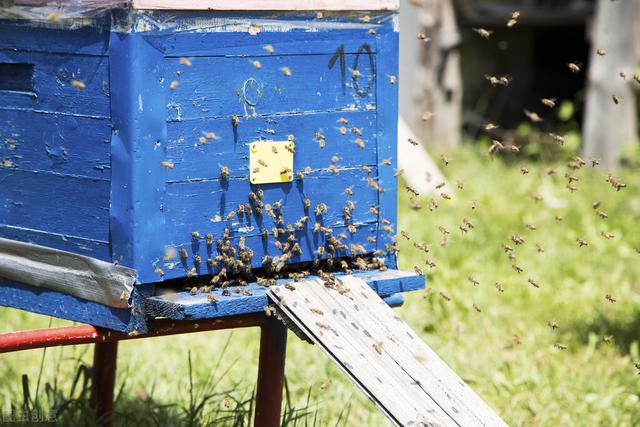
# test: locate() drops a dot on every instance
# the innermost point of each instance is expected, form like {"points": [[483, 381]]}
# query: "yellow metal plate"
{"points": [[271, 161]]}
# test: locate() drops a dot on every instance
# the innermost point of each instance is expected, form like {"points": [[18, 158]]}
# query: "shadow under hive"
{"points": [[210, 153]]}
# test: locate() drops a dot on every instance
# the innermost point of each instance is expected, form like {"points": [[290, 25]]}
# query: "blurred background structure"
{"points": [[445, 67]]}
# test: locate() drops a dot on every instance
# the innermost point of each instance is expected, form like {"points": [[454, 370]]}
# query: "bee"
{"points": [[423, 37], [174, 84], [268, 48], [257, 65], [548, 102], [499, 286], [636, 77], [426, 116], [445, 296], [224, 172], [439, 185], [398, 173], [533, 116], [602, 214], [496, 146], [197, 260], [195, 235], [445, 196], [468, 223], [325, 384], [490, 126], [574, 67], [517, 239], [507, 248], [286, 71], [159, 271], [235, 121], [557, 138], [607, 339], [601, 52], [485, 34], [581, 242], [513, 148], [615, 99], [444, 159], [168, 165], [477, 308], [81, 85], [343, 130], [473, 280], [473, 205], [531, 227], [623, 75], [517, 268], [377, 347], [524, 170], [352, 229], [443, 229], [231, 214], [263, 163], [193, 291], [594, 162], [533, 282], [373, 210], [202, 140], [386, 162], [560, 346], [183, 254], [366, 168], [539, 248], [607, 235], [418, 270], [610, 298], [558, 218]]}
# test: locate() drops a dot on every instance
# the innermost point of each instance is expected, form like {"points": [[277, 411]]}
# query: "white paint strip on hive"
{"points": [[382, 355], [281, 5]]}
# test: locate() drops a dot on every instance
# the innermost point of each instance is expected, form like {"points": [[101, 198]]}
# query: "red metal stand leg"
{"points": [[273, 345], [103, 380]]}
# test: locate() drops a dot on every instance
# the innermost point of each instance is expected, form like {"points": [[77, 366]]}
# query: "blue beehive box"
{"points": [[170, 141]]}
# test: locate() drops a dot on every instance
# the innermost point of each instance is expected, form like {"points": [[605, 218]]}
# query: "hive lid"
{"points": [[279, 5]]}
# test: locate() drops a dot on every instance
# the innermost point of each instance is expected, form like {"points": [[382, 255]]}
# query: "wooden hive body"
{"points": [[129, 164]]}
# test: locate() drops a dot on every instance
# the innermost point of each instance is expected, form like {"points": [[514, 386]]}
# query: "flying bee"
{"points": [[594, 162], [348, 191], [224, 172], [231, 214], [558, 218], [623, 75], [524, 170], [351, 228], [553, 324], [439, 185], [490, 126], [168, 165], [184, 254], [366, 168], [159, 271], [413, 142], [517, 239], [473, 280], [560, 346], [499, 287], [286, 71], [616, 99], [548, 102], [445, 296], [430, 263], [496, 146], [445, 196], [506, 248], [601, 52], [607, 339], [398, 173], [602, 214], [356, 131], [557, 138], [581, 242], [517, 268], [513, 148], [443, 229], [607, 235], [539, 248], [423, 37], [468, 223], [386, 162], [485, 34], [533, 282], [533, 116], [610, 298], [574, 67], [193, 290], [444, 159], [531, 227], [477, 308]]}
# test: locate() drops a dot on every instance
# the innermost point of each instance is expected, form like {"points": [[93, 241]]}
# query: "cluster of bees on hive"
{"points": [[497, 147], [233, 262]]}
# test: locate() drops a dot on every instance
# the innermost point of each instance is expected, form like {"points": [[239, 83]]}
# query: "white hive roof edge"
{"points": [[275, 5]]}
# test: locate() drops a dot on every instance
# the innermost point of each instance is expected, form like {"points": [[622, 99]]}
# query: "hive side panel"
{"points": [[54, 142]]}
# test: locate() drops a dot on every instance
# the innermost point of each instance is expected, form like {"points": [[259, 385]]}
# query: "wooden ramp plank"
{"points": [[381, 354]]}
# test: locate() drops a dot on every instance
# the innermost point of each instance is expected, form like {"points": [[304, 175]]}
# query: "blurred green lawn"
{"points": [[506, 352]]}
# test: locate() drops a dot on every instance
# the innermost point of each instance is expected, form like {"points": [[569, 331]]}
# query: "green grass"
{"points": [[202, 379]]}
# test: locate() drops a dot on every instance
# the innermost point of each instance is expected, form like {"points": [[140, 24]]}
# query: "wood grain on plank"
{"points": [[407, 359]]}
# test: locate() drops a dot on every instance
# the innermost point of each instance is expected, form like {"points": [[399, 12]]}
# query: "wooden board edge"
{"points": [[275, 5]]}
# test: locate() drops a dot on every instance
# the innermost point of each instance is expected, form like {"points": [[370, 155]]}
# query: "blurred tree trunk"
{"points": [[608, 127], [438, 82]]}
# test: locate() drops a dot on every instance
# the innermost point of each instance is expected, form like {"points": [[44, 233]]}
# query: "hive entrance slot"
{"points": [[16, 77]]}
